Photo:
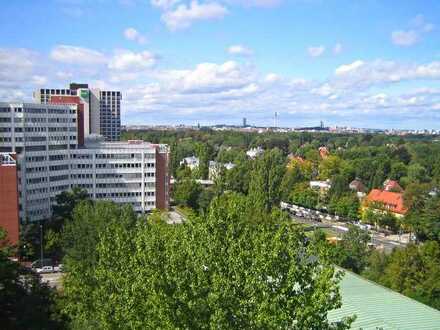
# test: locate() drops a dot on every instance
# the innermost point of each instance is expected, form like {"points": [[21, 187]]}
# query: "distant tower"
{"points": [[275, 120], [244, 122], [322, 124]]}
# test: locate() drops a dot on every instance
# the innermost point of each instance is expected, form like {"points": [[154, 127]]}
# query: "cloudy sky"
{"points": [[362, 63]]}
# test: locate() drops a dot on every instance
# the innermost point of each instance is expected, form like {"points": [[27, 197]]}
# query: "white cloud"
{"points": [[409, 37], [164, 4], [404, 38], [77, 55], [17, 66], [240, 50], [125, 60], [39, 80], [346, 68], [183, 16], [256, 3], [420, 23], [316, 51], [337, 49], [208, 78], [134, 35], [272, 77]]}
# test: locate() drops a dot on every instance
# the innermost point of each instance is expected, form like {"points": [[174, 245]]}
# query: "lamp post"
{"points": [[41, 244]]}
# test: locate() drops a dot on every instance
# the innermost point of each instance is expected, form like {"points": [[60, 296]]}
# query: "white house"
{"points": [[254, 152], [192, 162]]}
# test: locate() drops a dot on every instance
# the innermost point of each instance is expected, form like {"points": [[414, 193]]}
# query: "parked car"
{"points": [[45, 269], [38, 264], [58, 268]]}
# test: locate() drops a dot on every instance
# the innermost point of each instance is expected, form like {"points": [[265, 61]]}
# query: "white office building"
{"points": [[44, 136]]}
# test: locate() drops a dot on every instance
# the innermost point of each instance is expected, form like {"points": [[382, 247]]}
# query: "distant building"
{"points": [[323, 152], [254, 152], [386, 201], [358, 187], [391, 185], [215, 169], [9, 209], [244, 122], [192, 162], [99, 111], [322, 186]]}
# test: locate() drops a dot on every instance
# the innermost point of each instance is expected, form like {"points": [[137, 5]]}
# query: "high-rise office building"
{"points": [[51, 160], [43, 137], [100, 111]]}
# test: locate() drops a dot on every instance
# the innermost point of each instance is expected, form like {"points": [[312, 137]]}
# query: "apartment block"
{"points": [[51, 160], [100, 110], [133, 172], [42, 136]]}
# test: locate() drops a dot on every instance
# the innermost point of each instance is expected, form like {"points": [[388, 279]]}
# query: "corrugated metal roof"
{"points": [[377, 307]]}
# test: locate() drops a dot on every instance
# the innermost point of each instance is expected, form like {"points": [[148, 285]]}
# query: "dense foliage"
{"points": [[230, 268], [25, 303]]}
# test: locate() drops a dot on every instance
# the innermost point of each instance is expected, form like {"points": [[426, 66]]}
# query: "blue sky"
{"points": [[368, 63]]}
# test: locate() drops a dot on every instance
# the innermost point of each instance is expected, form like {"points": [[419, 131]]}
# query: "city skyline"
{"points": [[368, 64]]}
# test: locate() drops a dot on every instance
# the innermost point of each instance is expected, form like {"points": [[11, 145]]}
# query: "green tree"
{"points": [[353, 249], [187, 192], [81, 238], [229, 269], [305, 196], [25, 303], [265, 180]]}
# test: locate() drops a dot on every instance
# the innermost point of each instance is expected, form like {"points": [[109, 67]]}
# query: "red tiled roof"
{"points": [[392, 201]]}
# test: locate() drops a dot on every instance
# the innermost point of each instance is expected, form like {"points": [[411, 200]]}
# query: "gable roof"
{"points": [[392, 201]]}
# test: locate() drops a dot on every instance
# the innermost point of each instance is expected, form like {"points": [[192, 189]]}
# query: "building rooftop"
{"points": [[95, 142], [392, 201], [377, 307]]}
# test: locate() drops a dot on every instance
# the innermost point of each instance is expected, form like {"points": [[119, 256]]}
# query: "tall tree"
{"points": [[229, 269], [265, 180]]}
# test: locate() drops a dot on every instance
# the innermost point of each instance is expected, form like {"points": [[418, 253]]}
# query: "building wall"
{"points": [[162, 179], [9, 213], [79, 113], [42, 135], [45, 139], [101, 109], [110, 115]]}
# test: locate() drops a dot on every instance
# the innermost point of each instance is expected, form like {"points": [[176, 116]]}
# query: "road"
{"points": [[379, 240], [54, 280]]}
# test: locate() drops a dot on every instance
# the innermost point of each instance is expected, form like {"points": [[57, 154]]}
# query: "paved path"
{"points": [[54, 280]]}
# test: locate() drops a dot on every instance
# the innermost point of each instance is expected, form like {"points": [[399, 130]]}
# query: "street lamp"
{"points": [[41, 244]]}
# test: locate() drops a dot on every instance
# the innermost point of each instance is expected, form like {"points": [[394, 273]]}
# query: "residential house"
{"points": [[254, 152], [386, 201], [358, 187], [192, 162]]}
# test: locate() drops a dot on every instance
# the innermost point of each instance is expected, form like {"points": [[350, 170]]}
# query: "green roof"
{"points": [[377, 307]]}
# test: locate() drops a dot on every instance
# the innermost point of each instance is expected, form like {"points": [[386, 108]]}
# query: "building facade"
{"points": [[100, 110], [43, 137], [51, 160], [133, 172], [9, 211]]}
